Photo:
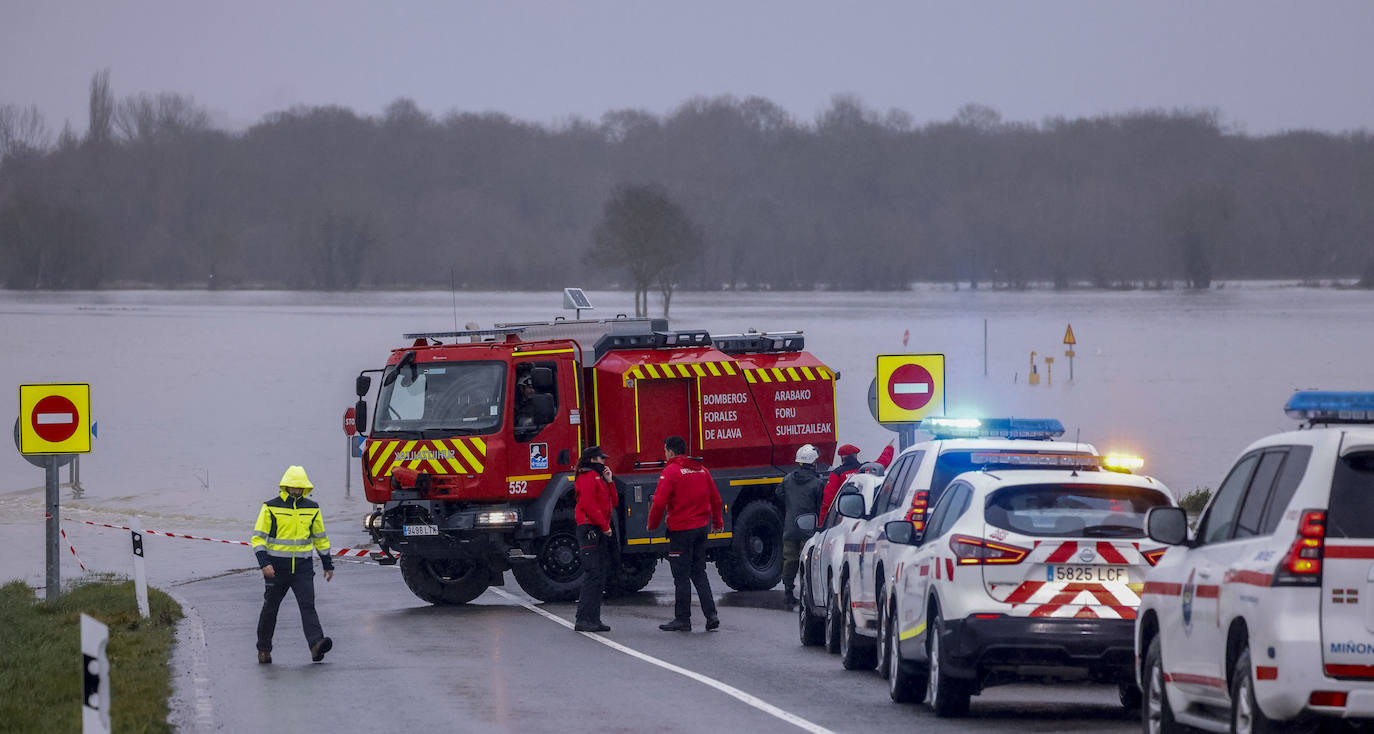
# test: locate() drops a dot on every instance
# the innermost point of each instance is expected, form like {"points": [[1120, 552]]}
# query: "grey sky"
{"points": [[1266, 65]]}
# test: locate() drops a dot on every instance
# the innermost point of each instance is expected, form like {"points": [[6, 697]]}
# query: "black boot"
{"points": [[787, 597]]}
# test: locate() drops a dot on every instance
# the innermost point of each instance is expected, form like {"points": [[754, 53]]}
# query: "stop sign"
{"points": [[911, 387], [54, 418], [350, 421]]}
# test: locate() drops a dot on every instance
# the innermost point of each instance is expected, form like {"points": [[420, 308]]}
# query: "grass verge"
{"points": [[41, 676]]}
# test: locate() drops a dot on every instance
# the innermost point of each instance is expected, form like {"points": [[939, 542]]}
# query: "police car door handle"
{"points": [[1204, 574]]}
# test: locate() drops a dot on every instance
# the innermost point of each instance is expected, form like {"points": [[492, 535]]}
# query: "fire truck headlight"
{"points": [[505, 517]]}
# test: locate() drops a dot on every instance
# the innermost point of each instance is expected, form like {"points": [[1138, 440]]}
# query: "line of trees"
{"points": [[325, 198]]}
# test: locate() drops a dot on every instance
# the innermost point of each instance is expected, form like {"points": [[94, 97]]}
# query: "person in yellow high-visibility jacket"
{"points": [[289, 526]]}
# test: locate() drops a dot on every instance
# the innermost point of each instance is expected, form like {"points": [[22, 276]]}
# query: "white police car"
{"points": [[914, 482], [1263, 619], [819, 601], [1031, 574]]}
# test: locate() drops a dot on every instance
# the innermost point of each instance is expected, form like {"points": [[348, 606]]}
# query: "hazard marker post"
{"points": [[95, 676], [54, 425], [908, 389], [140, 575], [1070, 341]]}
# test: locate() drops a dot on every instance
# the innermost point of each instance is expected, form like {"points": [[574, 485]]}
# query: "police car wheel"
{"points": [[1246, 717], [810, 628], [948, 696], [832, 625], [904, 683], [856, 651], [1156, 713], [884, 659]]}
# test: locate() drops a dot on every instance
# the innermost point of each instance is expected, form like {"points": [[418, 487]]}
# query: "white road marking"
{"points": [[911, 388], [44, 419], [729, 690]]}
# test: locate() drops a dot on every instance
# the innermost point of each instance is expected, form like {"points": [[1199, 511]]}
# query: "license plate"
{"points": [[1088, 573], [420, 530]]}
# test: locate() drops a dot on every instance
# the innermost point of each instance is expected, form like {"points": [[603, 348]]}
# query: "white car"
{"points": [[1262, 620], [818, 599], [1020, 575], [914, 483]]}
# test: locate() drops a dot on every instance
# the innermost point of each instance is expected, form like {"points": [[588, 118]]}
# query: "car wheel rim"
{"points": [[559, 558], [883, 661], [1245, 717], [846, 629], [893, 664], [934, 687], [1156, 703]]}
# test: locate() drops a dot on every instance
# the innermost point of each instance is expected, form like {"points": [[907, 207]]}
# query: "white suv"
{"points": [[913, 484], [1263, 619], [819, 602], [1020, 575]]}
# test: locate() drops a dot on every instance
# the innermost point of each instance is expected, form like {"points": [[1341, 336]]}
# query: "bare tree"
{"points": [[22, 129], [101, 115], [147, 117], [648, 234]]}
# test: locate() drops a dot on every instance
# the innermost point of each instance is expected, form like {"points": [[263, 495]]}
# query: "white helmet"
{"points": [[808, 454]]}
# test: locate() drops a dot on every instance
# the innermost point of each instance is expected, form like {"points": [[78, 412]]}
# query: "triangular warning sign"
{"points": [[1068, 335]]}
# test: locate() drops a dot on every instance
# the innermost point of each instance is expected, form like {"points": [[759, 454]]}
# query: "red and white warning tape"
{"points": [[342, 554], [72, 548]]}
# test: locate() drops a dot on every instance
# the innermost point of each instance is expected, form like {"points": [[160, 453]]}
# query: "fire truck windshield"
{"points": [[443, 399]]}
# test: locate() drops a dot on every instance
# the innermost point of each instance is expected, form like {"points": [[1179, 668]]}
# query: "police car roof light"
{"points": [[1029, 428], [1321, 406], [1040, 460]]}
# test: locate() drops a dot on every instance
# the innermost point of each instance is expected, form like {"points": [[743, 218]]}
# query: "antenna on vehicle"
{"points": [[453, 290], [1077, 444]]}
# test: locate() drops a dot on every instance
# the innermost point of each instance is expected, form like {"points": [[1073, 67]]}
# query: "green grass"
{"points": [[40, 679]]}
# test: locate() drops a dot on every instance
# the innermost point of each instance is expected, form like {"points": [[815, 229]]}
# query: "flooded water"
{"points": [[203, 399]]}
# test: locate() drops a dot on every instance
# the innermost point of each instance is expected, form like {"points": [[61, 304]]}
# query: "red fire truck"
{"points": [[476, 434]]}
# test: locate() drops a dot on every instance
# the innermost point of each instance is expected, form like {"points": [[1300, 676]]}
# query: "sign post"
{"points": [[908, 388], [54, 424], [140, 575], [1070, 341], [350, 426]]}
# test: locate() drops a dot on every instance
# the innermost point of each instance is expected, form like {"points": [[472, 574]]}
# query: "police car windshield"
{"points": [[1072, 510], [444, 399]]}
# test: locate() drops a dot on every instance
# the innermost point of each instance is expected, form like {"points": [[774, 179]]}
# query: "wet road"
{"points": [[497, 666]]}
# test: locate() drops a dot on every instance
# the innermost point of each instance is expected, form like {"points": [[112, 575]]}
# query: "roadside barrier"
{"points": [[72, 548], [350, 555]]}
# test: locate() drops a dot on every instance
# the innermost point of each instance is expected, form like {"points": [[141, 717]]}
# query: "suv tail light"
{"points": [[979, 552], [1302, 565], [917, 513]]}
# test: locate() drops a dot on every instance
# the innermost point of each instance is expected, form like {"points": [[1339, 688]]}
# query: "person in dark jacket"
{"points": [[849, 463], [596, 501], [800, 493], [687, 494]]}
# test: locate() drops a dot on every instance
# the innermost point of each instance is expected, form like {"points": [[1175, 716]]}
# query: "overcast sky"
{"points": [[1266, 65]]}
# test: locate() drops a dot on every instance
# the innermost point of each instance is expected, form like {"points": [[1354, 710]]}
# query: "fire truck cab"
{"points": [[473, 445]]}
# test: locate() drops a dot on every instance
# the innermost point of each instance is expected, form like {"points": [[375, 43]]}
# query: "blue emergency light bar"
{"points": [[1320, 406], [1042, 429], [1046, 461]]}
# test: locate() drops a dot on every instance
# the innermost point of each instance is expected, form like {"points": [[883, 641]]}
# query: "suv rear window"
{"points": [[1073, 510], [1352, 493]]}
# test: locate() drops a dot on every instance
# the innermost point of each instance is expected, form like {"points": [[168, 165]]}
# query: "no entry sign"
{"points": [[910, 387], [55, 419]]}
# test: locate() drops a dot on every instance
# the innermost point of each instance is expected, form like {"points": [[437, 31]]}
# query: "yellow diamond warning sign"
{"points": [[910, 387], [55, 419]]}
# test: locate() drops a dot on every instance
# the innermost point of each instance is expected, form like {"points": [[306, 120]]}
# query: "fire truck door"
{"points": [[665, 409], [542, 449]]}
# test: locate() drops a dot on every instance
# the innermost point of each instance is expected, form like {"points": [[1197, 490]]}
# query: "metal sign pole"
{"points": [[348, 465], [54, 563]]}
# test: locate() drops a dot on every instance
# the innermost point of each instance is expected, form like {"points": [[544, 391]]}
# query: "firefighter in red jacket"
{"points": [[596, 500], [688, 495], [849, 463]]}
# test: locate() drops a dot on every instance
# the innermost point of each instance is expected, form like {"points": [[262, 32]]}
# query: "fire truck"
{"points": [[473, 445]]}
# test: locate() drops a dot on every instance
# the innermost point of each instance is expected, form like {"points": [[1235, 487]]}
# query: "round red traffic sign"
{"points": [[54, 418], [911, 387]]}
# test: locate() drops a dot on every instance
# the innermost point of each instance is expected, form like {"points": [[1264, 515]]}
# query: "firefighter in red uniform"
{"points": [[849, 463], [688, 495], [596, 500]]}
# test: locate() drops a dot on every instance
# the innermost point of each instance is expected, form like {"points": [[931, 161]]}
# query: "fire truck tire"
{"points": [[634, 573], [556, 572], [444, 581], [753, 562]]}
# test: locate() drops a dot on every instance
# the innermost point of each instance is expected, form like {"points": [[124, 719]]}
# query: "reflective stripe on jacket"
{"points": [[290, 527]]}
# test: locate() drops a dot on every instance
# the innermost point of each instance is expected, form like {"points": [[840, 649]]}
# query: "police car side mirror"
{"points": [[1168, 525], [902, 532], [851, 505], [807, 521]]}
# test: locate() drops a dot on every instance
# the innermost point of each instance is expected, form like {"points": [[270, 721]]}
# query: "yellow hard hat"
{"points": [[295, 477]]}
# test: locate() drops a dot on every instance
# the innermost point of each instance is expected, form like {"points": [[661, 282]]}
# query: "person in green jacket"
{"points": [[800, 493], [289, 526]]}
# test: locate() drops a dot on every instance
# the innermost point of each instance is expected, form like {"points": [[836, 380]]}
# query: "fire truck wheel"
{"points": [[754, 559], [634, 573], [556, 572], [444, 581]]}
